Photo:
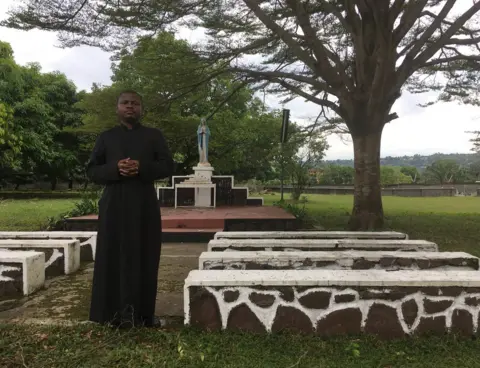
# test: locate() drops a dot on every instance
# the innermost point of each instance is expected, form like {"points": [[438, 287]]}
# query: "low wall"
{"points": [[400, 192], [40, 195], [332, 302]]}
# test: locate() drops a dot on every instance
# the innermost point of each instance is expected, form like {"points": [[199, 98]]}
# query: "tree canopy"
{"points": [[35, 108], [351, 58], [243, 132]]}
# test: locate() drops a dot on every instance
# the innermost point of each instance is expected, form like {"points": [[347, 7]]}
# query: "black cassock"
{"points": [[129, 225]]}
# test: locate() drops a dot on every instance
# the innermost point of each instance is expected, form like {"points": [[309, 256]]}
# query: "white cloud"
{"points": [[439, 128]]}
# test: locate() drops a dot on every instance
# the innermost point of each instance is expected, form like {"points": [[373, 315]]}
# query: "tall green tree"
{"points": [[297, 156], [476, 142], [443, 172], [351, 58], [171, 78], [36, 107], [337, 175], [412, 172]]}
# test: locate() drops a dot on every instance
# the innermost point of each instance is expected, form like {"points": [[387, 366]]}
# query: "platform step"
{"points": [[87, 239], [310, 235], [338, 260], [216, 245], [62, 256], [190, 231], [334, 302], [21, 273], [179, 223]]}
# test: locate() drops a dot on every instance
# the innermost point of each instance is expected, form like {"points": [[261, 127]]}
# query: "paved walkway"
{"points": [[67, 298]]}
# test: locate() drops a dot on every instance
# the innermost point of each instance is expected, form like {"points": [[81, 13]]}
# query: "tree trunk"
{"points": [[53, 183], [367, 211]]}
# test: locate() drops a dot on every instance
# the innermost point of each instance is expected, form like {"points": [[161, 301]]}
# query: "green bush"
{"points": [[300, 212], [87, 205]]}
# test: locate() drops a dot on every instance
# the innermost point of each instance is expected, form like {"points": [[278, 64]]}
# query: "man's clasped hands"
{"points": [[128, 167]]}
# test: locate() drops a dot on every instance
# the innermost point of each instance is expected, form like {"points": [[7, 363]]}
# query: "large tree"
{"points": [[476, 142], [35, 108], [177, 92], [351, 58]]}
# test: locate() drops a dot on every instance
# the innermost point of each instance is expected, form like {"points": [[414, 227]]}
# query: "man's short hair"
{"points": [[131, 92]]}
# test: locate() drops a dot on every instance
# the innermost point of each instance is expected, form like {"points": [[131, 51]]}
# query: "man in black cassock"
{"points": [[127, 159]]}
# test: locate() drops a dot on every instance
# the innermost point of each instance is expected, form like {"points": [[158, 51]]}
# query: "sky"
{"points": [[438, 128]]}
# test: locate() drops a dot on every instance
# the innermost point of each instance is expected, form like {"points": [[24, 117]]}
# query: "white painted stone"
{"points": [[203, 173], [327, 281], [88, 238], [295, 244], [267, 315], [309, 235], [71, 250], [4, 269], [364, 278], [343, 259], [33, 266]]}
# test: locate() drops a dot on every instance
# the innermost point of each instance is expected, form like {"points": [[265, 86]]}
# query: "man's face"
{"points": [[129, 108]]}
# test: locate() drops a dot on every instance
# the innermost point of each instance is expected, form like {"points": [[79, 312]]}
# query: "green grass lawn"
{"points": [[84, 346], [30, 214], [454, 223]]}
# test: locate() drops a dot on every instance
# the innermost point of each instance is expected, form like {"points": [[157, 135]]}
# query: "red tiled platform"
{"points": [[190, 224]]}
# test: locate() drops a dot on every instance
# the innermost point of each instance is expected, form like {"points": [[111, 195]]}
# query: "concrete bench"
{"points": [[62, 256], [21, 273], [309, 235], [218, 245], [333, 302], [88, 239], [338, 260]]}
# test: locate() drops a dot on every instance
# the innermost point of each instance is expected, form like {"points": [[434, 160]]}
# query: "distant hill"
{"points": [[418, 161]]}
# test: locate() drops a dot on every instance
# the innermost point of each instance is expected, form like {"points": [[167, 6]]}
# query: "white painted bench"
{"points": [[62, 256], [88, 239], [217, 245], [310, 235], [21, 273], [338, 260], [332, 302]]}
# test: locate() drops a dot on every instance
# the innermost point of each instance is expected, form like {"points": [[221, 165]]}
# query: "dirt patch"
{"points": [[67, 298]]}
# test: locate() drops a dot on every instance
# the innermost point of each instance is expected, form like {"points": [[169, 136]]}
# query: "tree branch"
{"points": [[322, 102], [334, 75], [447, 60], [455, 27], [408, 19], [436, 24], [283, 34], [319, 86]]}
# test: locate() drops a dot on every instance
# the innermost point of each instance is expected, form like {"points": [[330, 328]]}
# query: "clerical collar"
{"points": [[134, 126]]}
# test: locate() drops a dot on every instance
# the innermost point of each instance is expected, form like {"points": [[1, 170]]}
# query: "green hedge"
{"points": [[40, 194]]}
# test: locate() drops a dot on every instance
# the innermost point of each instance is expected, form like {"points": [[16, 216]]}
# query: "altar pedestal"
{"points": [[201, 182], [203, 194], [203, 173]]}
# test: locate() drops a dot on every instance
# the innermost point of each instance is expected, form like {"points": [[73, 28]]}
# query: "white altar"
{"points": [[201, 180], [203, 193]]}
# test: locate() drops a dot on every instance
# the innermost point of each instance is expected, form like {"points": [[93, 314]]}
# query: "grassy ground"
{"points": [[452, 222], [30, 214], [84, 346]]}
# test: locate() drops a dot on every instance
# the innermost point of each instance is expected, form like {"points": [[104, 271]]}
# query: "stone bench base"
{"points": [[338, 260], [387, 304], [62, 256], [217, 245], [21, 273], [310, 235], [87, 239]]}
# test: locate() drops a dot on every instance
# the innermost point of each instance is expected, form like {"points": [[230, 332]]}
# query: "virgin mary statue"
{"points": [[203, 134]]}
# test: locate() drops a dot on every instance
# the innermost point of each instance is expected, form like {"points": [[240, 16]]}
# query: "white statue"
{"points": [[203, 135]]}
